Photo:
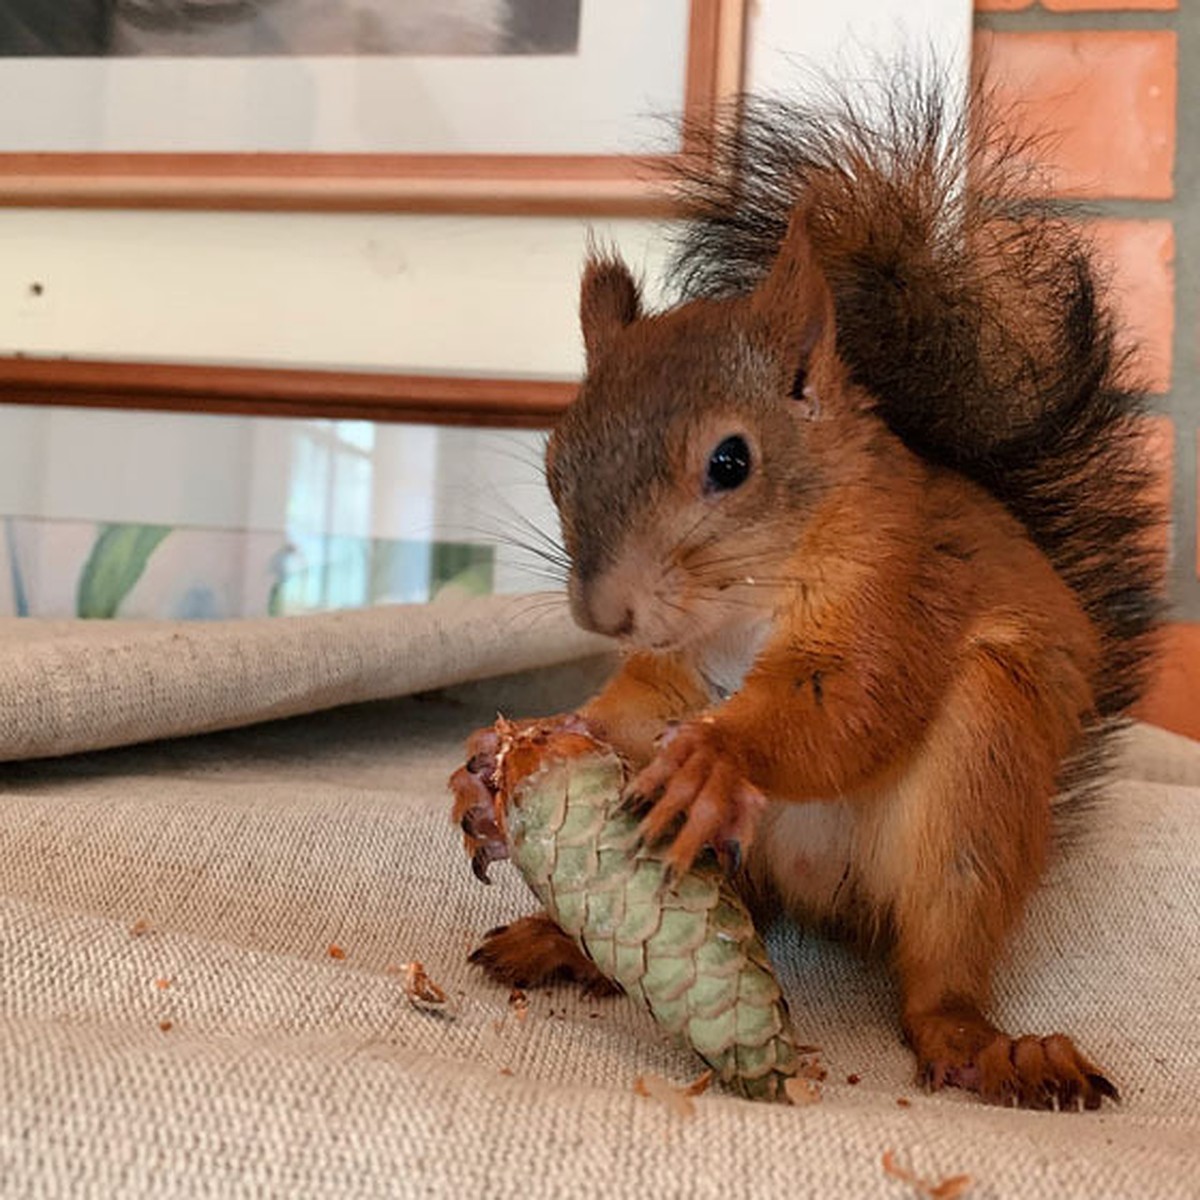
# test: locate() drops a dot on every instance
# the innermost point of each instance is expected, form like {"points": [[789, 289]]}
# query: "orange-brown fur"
{"points": [[875, 661], [533, 950], [923, 675]]}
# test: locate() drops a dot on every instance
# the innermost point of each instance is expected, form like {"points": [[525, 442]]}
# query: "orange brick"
{"points": [[1105, 100], [1173, 700], [1142, 256], [1096, 5]]}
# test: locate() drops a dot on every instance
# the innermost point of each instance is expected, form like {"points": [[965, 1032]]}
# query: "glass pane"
{"points": [[199, 517]]}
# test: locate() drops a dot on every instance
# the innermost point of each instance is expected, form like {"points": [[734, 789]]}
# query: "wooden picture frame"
{"points": [[507, 402], [431, 183]]}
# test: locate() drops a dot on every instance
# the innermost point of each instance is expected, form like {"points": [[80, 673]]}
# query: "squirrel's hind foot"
{"points": [[533, 951], [963, 1049]]}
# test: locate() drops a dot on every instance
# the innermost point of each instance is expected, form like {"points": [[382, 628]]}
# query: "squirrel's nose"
{"points": [[595, 608], [625, 628], [619, 624]]}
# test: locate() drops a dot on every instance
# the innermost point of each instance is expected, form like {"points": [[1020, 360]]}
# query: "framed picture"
{"points": [[112, 512], [509, 106]]}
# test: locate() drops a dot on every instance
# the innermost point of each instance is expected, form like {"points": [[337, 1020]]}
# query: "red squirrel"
{"points": [[868, 511]]}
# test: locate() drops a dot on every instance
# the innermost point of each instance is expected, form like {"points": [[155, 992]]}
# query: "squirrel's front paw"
{"points": [[474, 786], [696, 776], [474, 789]]}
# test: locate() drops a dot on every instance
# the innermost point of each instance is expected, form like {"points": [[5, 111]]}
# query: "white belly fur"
{"points": [[804, 850], [724, 660]]}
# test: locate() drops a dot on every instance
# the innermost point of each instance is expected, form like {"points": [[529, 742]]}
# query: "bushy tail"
{"points": [[970, 307]]}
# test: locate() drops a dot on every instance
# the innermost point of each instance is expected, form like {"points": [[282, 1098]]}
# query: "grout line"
{"points": [[1041, 20], [1184, 401], [1112, 208]]}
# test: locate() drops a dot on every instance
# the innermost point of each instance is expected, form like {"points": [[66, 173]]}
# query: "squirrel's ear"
{"points": [[609, 299], [796, 305]]}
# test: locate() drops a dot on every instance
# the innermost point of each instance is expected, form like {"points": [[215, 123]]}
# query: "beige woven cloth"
{"points": [[202, 883], [83, 685]]}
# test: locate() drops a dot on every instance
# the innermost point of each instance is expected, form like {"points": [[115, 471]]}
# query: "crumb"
{"points": [[162, 984], [335, 951], [801, 1092], [802, 1050], [519, 1003], [594, 1016], [675, 1100], [700, 1084], [506, 1070], [813, 1070], [904, 1102], [951, 1188], [853, 1079], [166, 1026], [139, 928], [421, 991]]}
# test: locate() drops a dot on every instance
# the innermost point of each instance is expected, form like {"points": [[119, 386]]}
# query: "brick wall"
{"points": [[1117, 84]]}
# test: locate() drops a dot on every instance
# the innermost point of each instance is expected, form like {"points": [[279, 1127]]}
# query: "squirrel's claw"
{"points": [[705, 799], [474, 811]]}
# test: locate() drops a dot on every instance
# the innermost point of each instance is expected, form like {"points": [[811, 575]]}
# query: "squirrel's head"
{"points": [[702, 443]]}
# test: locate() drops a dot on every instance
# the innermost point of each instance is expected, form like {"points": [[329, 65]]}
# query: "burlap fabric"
{"points": [[174, 1023], [83, 685]]}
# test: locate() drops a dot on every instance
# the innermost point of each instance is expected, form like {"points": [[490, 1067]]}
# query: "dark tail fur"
{"points": [[971, 308]]}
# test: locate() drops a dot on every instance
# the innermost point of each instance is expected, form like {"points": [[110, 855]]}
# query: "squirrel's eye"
{"points": [[728, 465]]}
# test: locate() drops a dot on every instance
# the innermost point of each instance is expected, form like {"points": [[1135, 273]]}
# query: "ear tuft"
{"points": [[609, 300]]}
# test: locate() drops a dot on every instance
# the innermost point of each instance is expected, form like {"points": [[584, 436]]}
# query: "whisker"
{"points": [[676, 551], [740, 558], [671, 604], [518, 542], [511, 447], [552, 543], [535, 610]]}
